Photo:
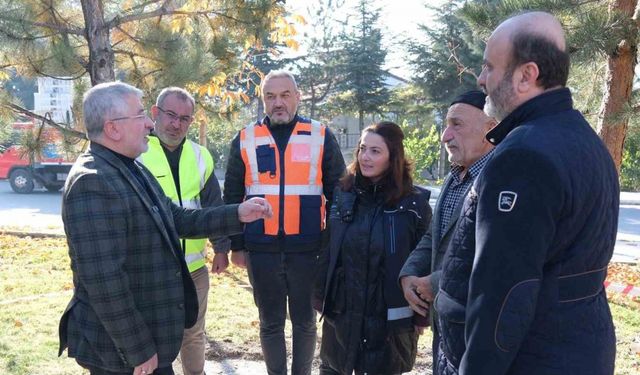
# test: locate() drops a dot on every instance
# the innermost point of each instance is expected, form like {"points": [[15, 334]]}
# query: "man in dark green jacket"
{"points": [[133, 296]]}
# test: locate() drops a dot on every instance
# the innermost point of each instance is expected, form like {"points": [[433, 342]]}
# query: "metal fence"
{"points": [[347, 141]]}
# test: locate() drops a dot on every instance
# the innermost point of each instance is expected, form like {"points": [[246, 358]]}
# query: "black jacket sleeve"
{"points": [[234, 191], [332, 166], [211, 196]]}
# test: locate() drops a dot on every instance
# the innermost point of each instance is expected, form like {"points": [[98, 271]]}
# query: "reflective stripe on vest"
{"points": [[399, 313], [191, 184], [195, 257], [302, 176], [288, 190]]}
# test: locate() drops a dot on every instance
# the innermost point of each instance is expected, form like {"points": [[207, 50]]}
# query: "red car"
{"points": [[49, 169]]}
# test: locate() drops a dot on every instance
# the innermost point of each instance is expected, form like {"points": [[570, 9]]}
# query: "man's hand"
{"points": [[254, 209], [413, 287], [148, 367], [424, 289], [238, 258], [220, 262]]}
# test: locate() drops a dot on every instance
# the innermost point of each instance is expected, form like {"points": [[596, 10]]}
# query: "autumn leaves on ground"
{"points": [[35, 286]]}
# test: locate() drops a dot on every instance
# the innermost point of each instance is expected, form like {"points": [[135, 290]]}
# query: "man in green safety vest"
{"points": [[184, 169]]}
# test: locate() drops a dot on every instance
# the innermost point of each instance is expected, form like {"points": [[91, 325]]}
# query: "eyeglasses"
{"points": [[184, 120], [141, 116]]}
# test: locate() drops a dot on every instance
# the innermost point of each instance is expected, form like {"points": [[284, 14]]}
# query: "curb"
{"points": [[624, 289], [19, 233]]}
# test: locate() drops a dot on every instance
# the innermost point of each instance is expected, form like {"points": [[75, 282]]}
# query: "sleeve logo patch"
{"points": [[507, 200]]}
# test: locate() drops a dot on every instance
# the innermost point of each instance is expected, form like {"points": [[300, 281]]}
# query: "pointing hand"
{"points": [[254, 209]]}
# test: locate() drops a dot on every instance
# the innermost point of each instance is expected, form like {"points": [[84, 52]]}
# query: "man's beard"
{"points": [[498, 103]]}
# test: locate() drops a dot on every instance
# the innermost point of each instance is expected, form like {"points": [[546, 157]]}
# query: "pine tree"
{"points": [[450, 60], [599, 32], [318, 69], [149, 43], [446, 64], [361, 68]]}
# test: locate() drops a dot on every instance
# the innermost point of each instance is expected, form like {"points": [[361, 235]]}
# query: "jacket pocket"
{"points": [[255, 227], [336, 295], [310, 218], [266, 159], [451, 322]]}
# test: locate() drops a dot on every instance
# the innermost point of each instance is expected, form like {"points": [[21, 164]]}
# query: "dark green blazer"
{"points": [[133, 295]]}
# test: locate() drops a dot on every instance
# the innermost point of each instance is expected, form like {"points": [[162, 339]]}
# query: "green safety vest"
{"points": [[196, 166]]}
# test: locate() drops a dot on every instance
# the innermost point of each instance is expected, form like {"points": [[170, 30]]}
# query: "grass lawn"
{"points": [[35, 285]]}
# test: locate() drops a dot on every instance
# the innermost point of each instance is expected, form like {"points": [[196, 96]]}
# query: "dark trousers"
{"points": [[327, 370], [159, 371], [278, 278]]}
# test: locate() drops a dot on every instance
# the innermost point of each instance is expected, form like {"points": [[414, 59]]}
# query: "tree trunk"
{"points": [[612, 127], [202, 133], [101, 57], [361, 120], [312, 106], [260, 110], [442, 164]]}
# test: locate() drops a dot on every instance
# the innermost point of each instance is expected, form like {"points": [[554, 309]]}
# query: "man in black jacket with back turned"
{"points": [[521, 290]]}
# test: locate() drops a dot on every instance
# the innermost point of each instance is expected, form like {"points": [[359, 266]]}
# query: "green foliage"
{"points": [[630, 169], [362, 75], [422, 145], [408, 105], [318, 69], [21, 89], [220, 131], [591, 31], [447, 64]]}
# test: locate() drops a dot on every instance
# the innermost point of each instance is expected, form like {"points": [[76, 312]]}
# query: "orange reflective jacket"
{"points": [[293, 186]]}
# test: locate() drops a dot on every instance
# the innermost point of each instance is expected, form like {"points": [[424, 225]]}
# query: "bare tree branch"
{"points": [[462, 69], [41, 73], [132, 55], [166, 10], [65, 131], [141, 6], [46, 25]]}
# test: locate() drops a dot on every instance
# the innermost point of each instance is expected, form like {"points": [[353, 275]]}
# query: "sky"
{"points": [[399, 19]]}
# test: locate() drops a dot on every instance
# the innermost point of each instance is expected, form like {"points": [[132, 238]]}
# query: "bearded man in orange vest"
{"points": [[295, 163]]}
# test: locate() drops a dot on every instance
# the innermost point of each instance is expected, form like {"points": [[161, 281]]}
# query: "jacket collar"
{"points": [[110, 157], [267, 121], [545, 104]]}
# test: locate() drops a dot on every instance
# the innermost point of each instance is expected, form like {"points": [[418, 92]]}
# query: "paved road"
{"points": [[41, 212]]}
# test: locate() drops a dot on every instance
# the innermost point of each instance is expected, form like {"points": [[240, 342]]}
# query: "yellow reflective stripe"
{"points": [[316, 143], [193, 204], [288, 190], [194, 257], [202, 165]]}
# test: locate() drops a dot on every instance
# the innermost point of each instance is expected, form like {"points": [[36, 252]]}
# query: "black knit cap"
{"points": [[475, 98]]}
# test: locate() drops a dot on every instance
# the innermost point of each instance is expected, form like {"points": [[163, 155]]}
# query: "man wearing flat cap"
{"points": [[468, 150]]}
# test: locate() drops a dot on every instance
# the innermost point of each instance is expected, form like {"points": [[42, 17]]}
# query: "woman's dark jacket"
{"points": [[367, 322]]}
